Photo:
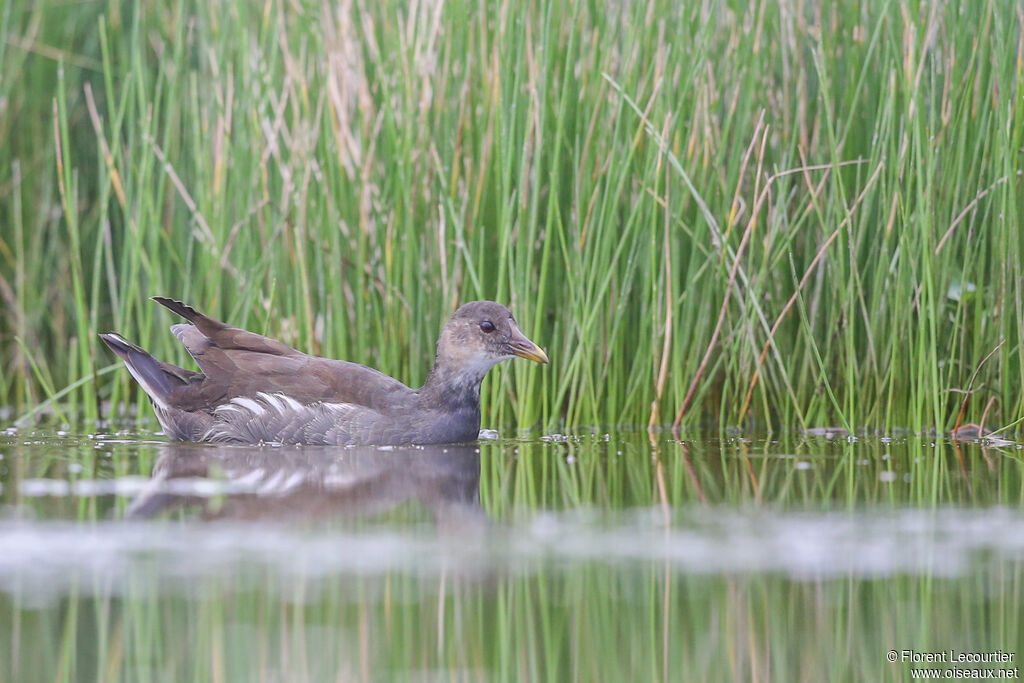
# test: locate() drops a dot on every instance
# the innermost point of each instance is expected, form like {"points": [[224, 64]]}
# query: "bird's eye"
{"points": [[487, 326]]}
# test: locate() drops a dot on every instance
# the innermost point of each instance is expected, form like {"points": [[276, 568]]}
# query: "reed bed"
{"points": [[709, 213]]}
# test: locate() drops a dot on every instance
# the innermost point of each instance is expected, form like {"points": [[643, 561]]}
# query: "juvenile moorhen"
{"points": [[253, 389]]}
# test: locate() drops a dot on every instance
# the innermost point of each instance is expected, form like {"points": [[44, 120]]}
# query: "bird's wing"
{"points": [[237, 362], [277, 418]]}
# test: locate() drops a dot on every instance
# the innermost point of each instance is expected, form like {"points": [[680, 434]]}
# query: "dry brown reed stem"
{"points": [[733, 270], [667, 343], [970, 386], [810, 268]]}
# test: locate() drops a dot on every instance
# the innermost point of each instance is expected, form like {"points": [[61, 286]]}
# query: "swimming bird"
{"points": [[253, 389]]}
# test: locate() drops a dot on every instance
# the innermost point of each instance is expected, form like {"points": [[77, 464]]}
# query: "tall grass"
{"points": [[733, 212]]}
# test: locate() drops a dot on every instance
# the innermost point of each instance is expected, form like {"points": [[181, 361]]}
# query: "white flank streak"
{"points": [[291, 402], [252, 406], [271, 401], [215, 432], [341, 408]]}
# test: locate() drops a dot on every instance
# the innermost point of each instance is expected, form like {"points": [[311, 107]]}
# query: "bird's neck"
{"points": [[453, 389]]}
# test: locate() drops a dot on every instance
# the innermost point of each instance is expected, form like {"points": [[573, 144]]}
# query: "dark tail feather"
{"points": [[184, 310], [147, 371], [203, 322], [208, 326]]}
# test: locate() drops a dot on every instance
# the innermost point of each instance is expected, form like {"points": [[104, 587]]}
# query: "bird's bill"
{"points": [[524, 348]]}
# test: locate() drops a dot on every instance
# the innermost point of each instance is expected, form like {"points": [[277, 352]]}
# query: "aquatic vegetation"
{"points": [[794, 216]]}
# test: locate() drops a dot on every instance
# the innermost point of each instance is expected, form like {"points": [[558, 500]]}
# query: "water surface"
{"points": [[593, 555]]}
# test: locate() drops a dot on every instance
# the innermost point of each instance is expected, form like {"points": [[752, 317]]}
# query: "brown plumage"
{"points": [[254, 389]]}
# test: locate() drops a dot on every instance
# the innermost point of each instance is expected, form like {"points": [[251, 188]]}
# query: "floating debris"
{"points": [[977, 433], [827, 432]]}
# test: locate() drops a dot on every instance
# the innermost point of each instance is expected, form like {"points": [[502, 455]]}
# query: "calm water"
{"points": [[590, 556]]}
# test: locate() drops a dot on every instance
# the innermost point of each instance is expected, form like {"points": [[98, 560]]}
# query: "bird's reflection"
{"points": [[294, 483]]}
